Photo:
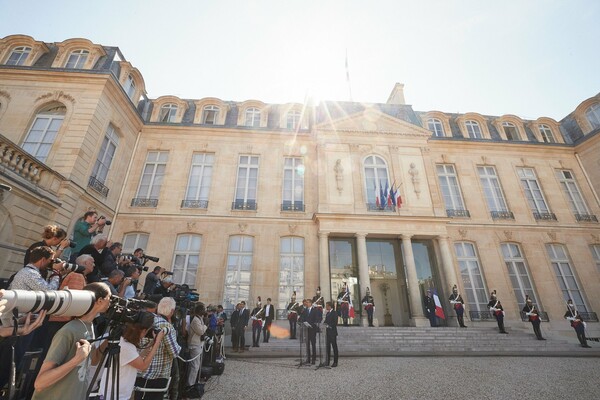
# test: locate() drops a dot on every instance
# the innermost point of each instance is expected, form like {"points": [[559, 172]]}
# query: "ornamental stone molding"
{"points": [[243, 227], [463, 233], [138, 225], [415, 179], [339, 175], [508, 235], [552, 235], [56, 96], [5, 94], [292, 228], [191, 226], [595, 238]]}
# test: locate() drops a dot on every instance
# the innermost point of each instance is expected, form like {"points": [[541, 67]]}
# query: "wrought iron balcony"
{"points": [[589, 316], [295, 206], [481, 316], [543, 316], [586, 217], [502, 215], [141, 202], [244, 205], [98, 186], [458, 213], [381, 208], [544, 216], [194, 203]]}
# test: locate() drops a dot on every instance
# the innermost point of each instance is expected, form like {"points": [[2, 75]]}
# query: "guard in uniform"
{"points": [[319, 303], [430, 308], [576, 323], [369, 304], [257, 316], [534, 317], [497, 310], [344, 303], [459, 306], [292, 315]]}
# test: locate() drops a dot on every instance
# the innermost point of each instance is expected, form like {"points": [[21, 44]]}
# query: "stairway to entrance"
{"points": [[426, 341]]}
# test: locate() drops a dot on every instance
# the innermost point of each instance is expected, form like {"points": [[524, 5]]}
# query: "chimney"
{"points": [[397, 95]]}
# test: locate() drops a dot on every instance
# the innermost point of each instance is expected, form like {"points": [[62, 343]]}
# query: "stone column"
{"points": [[449, 272], [414, 295], [363, 264], [324, 276]]}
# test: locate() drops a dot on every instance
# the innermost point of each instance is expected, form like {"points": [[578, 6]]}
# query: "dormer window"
{"points": [[252, 117], [167, 113], [510, 130], [293, 119], [18, 56], [436, 127], [593, 116], [77, 59], [473, 129], [129, 87], [546, 134], [210, 115]]}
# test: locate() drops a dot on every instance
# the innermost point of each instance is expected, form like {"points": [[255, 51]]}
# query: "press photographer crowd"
{"points": [[81, 326]]}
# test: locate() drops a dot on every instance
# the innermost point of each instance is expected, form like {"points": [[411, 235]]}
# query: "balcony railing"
{"points": [[502, 215], [194, 204], [481, 316], [295, 206], [543, 316], [244, 205], [98, 186], [458, 213], [20, 162], [544, 216], [141, 202], [381, 208], [589, 316], [586, 217]]}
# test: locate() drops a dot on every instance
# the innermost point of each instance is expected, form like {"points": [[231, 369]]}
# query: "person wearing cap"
{"points": [[130, 361], [430, 308], [292, 315], [534, 317], [576, 323], [165, 287], [369, 304], [459, 306], [498, 311], [257, 317]]}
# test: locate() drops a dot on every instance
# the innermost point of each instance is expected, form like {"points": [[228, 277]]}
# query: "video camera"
{"points": [[123, 310]]}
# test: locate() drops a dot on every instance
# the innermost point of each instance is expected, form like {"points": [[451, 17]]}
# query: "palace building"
{"points": [[243, 198]]}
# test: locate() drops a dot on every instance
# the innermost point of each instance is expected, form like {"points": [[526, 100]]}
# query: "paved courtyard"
{"points": [[411, 378]]}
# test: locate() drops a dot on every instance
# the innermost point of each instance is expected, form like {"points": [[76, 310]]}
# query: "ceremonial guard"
{"points": [[430, 308], [331, 320], [292, 316], [576, 323], [344, 303], [369, 304], [497, 310], [319, 303], [459, 306], [257, 316], [534, 317]]}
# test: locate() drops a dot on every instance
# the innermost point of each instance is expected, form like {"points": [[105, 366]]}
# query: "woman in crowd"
{"points": [[195, 343], [51, 237]]}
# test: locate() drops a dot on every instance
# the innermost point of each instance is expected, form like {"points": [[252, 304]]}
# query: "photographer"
{"points": [[97, 249], [195, 341], [52, 236], [115, 279], [111, 259], [131, 278], [85, 228], [159, 371], [152, 281], [64, 371], [166, 287], [30, 277], [130, 362]]}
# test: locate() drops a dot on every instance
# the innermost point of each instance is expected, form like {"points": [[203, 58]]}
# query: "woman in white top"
{"points": [[129, 359], [195, 343]]}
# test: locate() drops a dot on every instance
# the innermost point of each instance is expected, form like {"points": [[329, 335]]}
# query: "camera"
{"points": [[70, 267], [153, 259], [66, 303], [72, 244], [108, 222], [123, 310]]}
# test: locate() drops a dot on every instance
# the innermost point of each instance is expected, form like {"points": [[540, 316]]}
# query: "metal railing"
{"points": [[589, 316], [98, 186], [381, 208], [586, 217], [141, 202], [543, 316], [481, 316], [544, 216], [296, 206], [502, 215], [458, 213], [244, 205], [194, 203]]}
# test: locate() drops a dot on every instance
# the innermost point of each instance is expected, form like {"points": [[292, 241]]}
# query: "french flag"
{"points": [[439, 311]]}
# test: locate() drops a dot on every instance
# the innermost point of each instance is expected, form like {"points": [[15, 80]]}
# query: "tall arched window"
{"points": [[135, 240], [77, 59], [377, 184], [593, 115], [436, 127], [239, 270], [168, 113], [186, 259], [18, 56], [291, 269], [565, 276], [470, 272], [518, 272], [252, 117], [473, 129], [43, 131]]}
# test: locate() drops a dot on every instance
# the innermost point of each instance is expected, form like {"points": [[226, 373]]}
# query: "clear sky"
{"points": [[530, 58]]}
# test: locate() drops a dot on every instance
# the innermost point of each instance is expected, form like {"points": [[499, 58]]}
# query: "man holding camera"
{"points": [[152, 281], [111, 259], [165, 287], [86, 228], [30, 278], [64, 371], [97, 249]]}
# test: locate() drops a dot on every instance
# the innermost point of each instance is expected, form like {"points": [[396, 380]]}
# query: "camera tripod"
{"points": [[111, 361]]}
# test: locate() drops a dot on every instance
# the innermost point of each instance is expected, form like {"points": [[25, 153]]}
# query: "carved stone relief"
{"points": [[415, 179]]}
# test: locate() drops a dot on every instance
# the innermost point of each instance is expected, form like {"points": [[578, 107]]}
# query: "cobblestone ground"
{"points": [[410, 378]]}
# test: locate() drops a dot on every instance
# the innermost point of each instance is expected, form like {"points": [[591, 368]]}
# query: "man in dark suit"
{"points": [[311, 317], [235, 317], [242, 324], [269, 315], [331, 319]]}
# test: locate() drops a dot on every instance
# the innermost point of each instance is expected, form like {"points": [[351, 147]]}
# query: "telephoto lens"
{"points": [[70, 267], [65, 303]]}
